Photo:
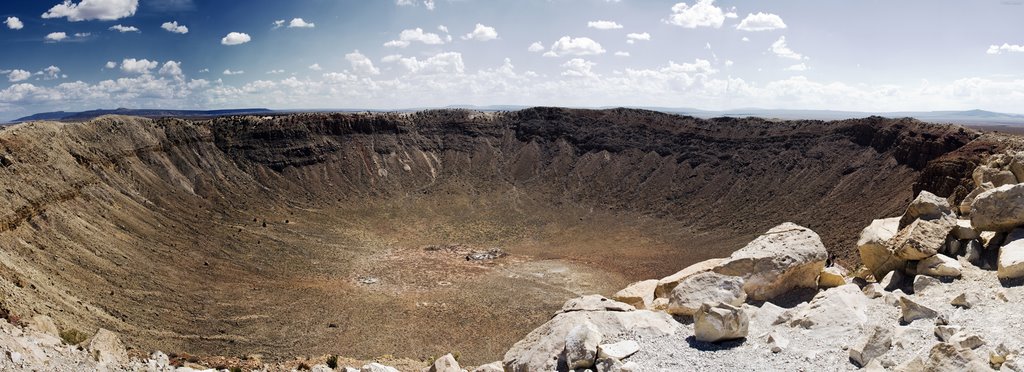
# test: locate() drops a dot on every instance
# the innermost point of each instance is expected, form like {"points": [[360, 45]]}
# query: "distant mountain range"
{"points": [[969, 117]]}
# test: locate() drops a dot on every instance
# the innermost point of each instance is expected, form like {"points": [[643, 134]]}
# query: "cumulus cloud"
{"points": [[50, 73], [110, 65], [18, 75], [581, 46], [409, 36], [174, 27], [780, 49], [275, 72], [361, 64], [634, 37], [14, 23], [87, 10], [300, 23], [536, 47], [138, 66], [123, 28], [56, 36], [235, 38], [604, 25], [761, 22], [230, 72], [621, 54], [481, 33], [1005, 48], [315, 67], [171, 68], [391, 58], [429, 4], [703, 13], [441, 63], [278, 24], [578, 67]]}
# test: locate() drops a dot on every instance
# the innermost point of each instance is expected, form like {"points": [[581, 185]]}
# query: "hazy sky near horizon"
{"points": [[870, 55]]}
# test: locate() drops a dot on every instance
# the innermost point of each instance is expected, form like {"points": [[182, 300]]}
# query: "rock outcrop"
{"points": [[716, 322], [786, 257], [691, 293]]}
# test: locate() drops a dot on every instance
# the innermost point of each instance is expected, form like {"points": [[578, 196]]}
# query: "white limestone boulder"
{"points": [[1011, 257], [720, 322], [691, 293], [939, 266], [999, 209], [873, 249], [639, 294], [786, 257], [668, 283]]}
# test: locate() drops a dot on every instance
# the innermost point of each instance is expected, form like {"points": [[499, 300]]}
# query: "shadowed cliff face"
{"points": [[349, 234]]}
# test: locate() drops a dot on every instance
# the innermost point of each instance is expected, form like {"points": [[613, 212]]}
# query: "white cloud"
{"points": [[621, 54], [172, 68], [235, 38], [797, 67], [360, 64], [442, 28], [391, 58], [728, 63], [1005, 48], [203, 71], [441, 63], [429, 4], [578, 67], [315, 67], [633, 37], [536, 47], [275, 72], [56, 36], [745, 39], [481, 33], [406, 37], [50, 73], [278, 24], [82, 34], [14, 23], [229, 72], [703, 13], [110, 65], [18, 75], [300, 23], [138, 66], [780, 49], [761, 22], [604, 25], [174, 27], [123, 28], [86, 10], [581, 46]]}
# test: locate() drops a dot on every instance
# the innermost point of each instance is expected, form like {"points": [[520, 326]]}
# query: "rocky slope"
{"points": [[227, 236]]}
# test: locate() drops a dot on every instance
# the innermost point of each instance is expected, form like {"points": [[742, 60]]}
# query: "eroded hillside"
{"points": [[356, 234]]}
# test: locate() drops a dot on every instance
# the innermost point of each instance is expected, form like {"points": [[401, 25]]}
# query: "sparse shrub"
{"points": [[72, 336], [303, 366], [332, 361], [236, 369]]}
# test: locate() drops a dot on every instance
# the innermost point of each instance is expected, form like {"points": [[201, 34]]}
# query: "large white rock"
{"points": [[709, 286], [594, 303], [720, 322], [1011, 256], [490, 367], [999, 209], [377, 367], [618, 350], [841, 309], [968, 202], [542, 349], [668, 283], [964, 230], [985, 174], [939, 266], [926, 206], [921, 238], [446, 363], [946, 357], [106, 348], [873, 249], [832, 276], [639, 294], [786, 257], [875, 342], [581, 346], [911, 311]]}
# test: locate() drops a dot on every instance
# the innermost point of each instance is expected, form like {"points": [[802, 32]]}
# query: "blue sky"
{"points": [[869, 55]]}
